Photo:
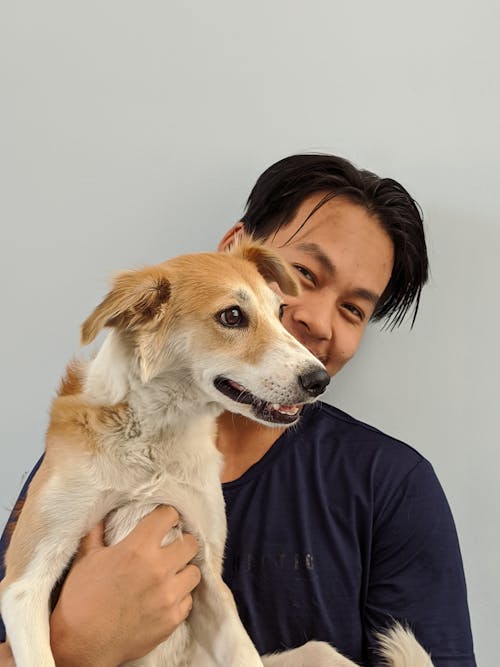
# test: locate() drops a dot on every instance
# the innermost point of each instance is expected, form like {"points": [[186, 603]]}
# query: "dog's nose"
{"points": [[315, 382]]}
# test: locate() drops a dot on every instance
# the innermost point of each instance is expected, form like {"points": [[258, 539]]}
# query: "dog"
{"points": [[135, 428]]}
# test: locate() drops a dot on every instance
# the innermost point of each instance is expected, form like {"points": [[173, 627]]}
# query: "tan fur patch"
{"points": [[136, 297], [72, 380], [74, 423], [27, 533], [75, 428], [270, 266], [194, 295]]}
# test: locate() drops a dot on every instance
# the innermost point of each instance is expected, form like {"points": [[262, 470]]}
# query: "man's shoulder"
{"points": [[323, 419], [334, 434]]}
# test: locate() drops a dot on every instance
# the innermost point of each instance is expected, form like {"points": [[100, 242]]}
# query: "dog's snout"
{"points": [[314, 382]]}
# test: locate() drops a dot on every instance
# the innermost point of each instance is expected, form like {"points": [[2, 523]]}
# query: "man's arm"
{"points": [[416, 573], [6, 657]]}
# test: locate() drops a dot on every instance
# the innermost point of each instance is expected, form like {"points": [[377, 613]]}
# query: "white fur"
{"points": [[399, 648], [101, 386]]}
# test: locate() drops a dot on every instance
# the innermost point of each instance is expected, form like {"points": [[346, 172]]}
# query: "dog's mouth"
{"points": [[269, 412]]}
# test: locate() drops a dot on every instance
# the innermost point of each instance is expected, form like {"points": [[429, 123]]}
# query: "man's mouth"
{"points": [[269, 412]]}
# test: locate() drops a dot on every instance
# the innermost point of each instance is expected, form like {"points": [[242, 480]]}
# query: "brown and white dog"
{"points": [[135, 428]]}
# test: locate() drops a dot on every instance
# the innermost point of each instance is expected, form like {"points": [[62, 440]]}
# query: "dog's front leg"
{"points": [[25, 603], [44, 540], [216, 625], [26, 618]]}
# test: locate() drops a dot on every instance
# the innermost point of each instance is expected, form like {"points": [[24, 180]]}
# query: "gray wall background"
{"points": [[131, 132]]}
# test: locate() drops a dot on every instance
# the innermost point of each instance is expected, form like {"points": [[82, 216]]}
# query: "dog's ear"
{"points": [[135, 298], [270, 265]]}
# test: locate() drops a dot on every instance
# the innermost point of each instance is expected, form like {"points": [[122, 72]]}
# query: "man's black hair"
{"points": [[281, 189]]}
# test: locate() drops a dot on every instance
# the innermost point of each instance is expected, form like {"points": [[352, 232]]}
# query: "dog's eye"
{"points": [[232, 317]]}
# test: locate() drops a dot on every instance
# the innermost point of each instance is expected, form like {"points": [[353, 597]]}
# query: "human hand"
{"points": [[119, 602], [6, 657]]}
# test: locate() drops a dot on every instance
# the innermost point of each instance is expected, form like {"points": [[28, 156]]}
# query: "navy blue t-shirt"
{"points": [[337, 531]]}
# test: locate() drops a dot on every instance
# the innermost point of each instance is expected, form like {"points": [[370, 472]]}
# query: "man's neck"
{"points": [[242, 442]]}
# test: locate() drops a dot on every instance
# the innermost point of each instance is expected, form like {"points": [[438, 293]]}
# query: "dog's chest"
{"points": [[179, 467], [142, 454]]}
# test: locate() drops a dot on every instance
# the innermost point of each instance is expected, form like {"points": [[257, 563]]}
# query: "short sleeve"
{"points": [[416, 572]]}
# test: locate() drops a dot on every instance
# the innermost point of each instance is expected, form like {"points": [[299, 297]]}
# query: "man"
{"points": [[335, 530]]}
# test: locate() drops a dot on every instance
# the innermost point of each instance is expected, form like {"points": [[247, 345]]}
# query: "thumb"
{"points": [[93, 540]]}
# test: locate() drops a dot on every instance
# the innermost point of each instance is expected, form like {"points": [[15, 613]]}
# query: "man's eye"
{"points": [[282, 310], [306, 273], [354, 310], [232, 317]]}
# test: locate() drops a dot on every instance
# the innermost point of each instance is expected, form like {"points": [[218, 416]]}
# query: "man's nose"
{"points": [[317, 322]]}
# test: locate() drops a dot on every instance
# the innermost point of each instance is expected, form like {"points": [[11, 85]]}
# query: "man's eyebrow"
{"points": [[366, 295], [315, 251]]}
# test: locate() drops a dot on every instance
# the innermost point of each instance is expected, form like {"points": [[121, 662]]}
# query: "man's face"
{"points": [[343, 259]]}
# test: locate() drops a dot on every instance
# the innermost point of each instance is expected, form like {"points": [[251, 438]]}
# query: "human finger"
{"points": [[155, 525], [6, 657], [188, 579], [181, 551], [185, 606]]}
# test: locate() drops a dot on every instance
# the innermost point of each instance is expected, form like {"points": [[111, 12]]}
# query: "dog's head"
{"points": [[213, 320]]}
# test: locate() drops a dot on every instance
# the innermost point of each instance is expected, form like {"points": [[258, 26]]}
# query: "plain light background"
{"points": [[133, 131]]}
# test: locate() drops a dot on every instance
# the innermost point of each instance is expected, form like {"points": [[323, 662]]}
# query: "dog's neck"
{"points": [[167, 400]]}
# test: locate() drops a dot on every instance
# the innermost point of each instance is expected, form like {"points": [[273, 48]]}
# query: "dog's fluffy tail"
{"points": [[399, 648]]}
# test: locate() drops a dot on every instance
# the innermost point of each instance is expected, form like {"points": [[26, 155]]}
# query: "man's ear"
{"points": [[135, 298], [230, 237], [270, 265]]}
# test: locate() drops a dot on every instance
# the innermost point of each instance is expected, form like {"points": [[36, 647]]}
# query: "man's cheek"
{"points": [[337, 363]]}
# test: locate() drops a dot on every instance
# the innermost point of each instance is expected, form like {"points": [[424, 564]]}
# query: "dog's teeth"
{"points": [[286, 409]]}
